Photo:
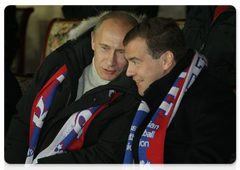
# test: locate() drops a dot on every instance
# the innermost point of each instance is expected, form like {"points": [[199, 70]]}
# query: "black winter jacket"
{"points": [[204, 127], [106, 138], [214, 39]]}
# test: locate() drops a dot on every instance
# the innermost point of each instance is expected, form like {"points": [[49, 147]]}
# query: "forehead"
{"points": [[111, 32], [137, 48], [114, 27]]}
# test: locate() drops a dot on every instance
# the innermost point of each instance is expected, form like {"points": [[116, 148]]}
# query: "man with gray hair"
{"points": [[79, 108]]}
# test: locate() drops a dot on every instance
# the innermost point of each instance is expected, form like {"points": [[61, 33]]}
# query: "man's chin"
{"points": [[109, 77], [140, 93]]}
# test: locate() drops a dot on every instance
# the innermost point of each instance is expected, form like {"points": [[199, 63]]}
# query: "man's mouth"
{"points": [[138, 82], [109, 71]]}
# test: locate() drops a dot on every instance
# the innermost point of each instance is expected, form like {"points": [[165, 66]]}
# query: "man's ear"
{"points": [[168, 61], [92, 40]]}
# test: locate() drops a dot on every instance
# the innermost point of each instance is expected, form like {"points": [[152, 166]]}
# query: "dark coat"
{"points": [[106, 138], [214, 39], [204, 127]]}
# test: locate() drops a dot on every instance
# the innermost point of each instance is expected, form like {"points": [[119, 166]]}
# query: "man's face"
{"points": [[109, 49], [141, 66]]}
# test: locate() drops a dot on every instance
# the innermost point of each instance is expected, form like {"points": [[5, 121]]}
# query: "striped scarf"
{"points": [[71, 135], [151, 144]]}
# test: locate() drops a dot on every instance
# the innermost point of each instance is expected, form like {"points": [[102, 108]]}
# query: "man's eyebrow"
{"points": [[119, 49], [103, 44], [134, 58]]}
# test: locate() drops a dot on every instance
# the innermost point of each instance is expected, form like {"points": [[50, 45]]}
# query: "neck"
{"points": [[92, 78]]}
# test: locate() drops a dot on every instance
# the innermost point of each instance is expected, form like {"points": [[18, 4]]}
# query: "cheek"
{"points": [[122, 63], [97, 62], [156, 74], [150, 74], [99, 57]]}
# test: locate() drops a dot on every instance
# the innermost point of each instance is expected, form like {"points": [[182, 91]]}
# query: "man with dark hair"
{"points": [[186, 115], [77, 109]]}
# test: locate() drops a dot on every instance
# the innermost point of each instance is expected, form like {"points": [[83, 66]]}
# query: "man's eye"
{"points": [[135, 62], [120, 53]]}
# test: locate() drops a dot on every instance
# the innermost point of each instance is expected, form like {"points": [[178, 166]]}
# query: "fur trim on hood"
{"points": [[92, 21]]}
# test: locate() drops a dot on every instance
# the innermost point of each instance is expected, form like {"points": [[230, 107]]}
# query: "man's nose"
{"points": [[111, 59], [130, 71]]}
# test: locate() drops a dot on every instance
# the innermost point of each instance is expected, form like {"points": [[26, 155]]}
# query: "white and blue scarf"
{"points": [[71, 135]]}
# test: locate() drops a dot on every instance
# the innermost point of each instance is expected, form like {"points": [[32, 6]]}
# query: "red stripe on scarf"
{"points": [[77, 144], [45, 87], [155, 152]]}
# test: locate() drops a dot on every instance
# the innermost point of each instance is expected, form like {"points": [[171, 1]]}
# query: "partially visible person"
{"points": [[79, 108], [211, 30], [186, 114], [10, 93], [9, 41]]}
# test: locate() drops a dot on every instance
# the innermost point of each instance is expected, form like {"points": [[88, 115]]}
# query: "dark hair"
{"points": [[161, 34], [123, 16]]}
